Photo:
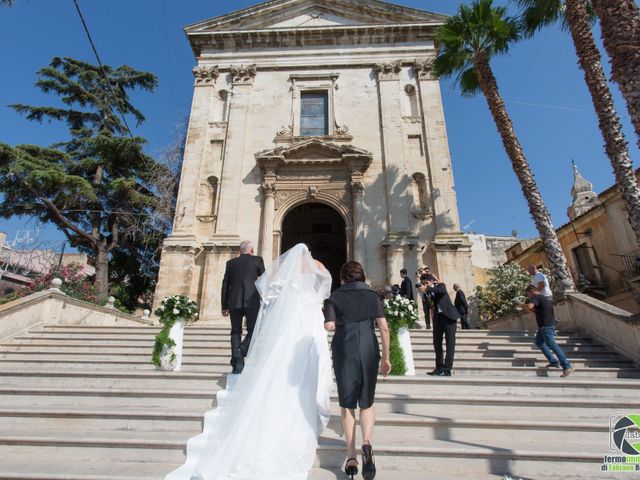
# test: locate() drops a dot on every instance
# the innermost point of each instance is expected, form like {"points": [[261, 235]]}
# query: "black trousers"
{"points": [[426, 306], [240, 347], [443, 326], [464, 322]]}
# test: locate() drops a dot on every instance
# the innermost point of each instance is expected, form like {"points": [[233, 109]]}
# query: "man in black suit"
{"points": [[425, 275], [444, 324], [463, 307], [240, 299], [406, 288]]}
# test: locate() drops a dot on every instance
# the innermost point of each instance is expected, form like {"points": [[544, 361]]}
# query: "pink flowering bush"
{"points": [[74, 283]]}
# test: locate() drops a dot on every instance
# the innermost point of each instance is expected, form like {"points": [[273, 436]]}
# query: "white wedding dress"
{"points": [[267, 426]]}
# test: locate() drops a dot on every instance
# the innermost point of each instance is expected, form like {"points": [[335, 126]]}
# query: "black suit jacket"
{"points": [[443, 302], [461, 302], [239, 284], [406, 289]]}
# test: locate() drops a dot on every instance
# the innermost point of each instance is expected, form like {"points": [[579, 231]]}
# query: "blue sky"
{"points": [[540, 80]]}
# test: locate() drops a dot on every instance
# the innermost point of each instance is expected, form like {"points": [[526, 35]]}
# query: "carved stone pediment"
{"points": [[314, 152], [315, 13], [315, 22]]}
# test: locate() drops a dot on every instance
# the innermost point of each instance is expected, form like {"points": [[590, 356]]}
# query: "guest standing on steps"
{"points": [[462, 306], [352, 312], [444, 325], [406, 288], [240, 299]]}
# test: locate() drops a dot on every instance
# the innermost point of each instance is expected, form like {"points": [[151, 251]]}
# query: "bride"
{"points": [[267, 425]]}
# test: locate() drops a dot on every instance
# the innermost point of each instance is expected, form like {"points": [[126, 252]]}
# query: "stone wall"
{"points": [[618, 329], [54, 307]]}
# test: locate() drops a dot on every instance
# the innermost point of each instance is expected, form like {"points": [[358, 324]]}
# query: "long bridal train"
{"points": [[267, 424]]}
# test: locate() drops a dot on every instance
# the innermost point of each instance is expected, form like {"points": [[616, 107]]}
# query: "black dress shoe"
{"points": [[436, 373], [239, 365], [446, 373]]}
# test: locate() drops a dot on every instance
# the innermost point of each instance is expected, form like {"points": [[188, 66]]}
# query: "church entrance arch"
{"points": [[323, 229]]}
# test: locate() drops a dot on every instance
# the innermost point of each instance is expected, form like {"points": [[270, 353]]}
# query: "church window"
{"points": [[314, 114], [586, 267]]}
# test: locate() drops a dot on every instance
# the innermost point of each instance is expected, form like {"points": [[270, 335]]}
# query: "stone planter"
{"points": [[405, 343], [176, 334]]}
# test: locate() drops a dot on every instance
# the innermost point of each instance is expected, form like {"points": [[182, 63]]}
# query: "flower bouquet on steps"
{"points": [[174, 312], [401, 314]]}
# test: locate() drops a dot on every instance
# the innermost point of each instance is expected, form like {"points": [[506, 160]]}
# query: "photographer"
{"points": [[444, 325], [424, 275]]}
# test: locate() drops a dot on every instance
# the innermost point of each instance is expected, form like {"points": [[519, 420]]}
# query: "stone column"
{"points": [[268, 211], [234, 156], [196, 144], [212, 275], [359, 243], [445, 204], [393, 154]]}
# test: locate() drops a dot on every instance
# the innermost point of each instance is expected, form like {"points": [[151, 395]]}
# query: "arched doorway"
{"points": [[323, 229]]}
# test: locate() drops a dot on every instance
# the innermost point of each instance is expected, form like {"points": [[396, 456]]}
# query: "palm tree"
{"points": [[466, 44], [577, 16], [620, 24]]}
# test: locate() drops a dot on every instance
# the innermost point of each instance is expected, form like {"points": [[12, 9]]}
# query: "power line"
{"points": [[106, 76]]}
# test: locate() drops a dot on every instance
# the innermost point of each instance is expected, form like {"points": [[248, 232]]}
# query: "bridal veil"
{"points": [[267, 425]]}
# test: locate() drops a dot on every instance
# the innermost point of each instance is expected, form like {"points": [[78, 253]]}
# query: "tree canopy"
{"points": [[98, 185]]}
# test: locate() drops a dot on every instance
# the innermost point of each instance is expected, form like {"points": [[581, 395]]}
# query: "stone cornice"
{"points": [[352, 35]]}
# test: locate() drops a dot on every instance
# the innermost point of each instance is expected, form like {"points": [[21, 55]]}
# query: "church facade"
{"points": [[315, 121]]}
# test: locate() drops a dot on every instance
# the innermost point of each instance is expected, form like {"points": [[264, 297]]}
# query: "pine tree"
{"points": [[97, 186]]}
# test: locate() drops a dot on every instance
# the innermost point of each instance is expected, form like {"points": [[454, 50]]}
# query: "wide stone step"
{"points": [[18, 469], [393, 451], [147, 343], [170, 381], [34, 467], [37, 397], [225, 329], [468, 368], [95, 421], [219, 357], [204, 336], [217, 352], [221, 363], [176, 381]]}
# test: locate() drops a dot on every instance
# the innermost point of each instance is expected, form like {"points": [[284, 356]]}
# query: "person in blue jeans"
{"points": [[542, 307]]}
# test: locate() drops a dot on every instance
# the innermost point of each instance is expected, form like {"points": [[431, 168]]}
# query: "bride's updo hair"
{"points": [[352, 272]]}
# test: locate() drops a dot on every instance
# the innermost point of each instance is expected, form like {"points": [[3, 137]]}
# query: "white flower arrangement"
{"points": [[401, 311], [170, 310], [177, 306]]}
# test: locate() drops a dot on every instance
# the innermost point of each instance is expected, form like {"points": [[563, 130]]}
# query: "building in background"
{"points": [[315, 121], [599, 244], [22, 261], [487, 252]]}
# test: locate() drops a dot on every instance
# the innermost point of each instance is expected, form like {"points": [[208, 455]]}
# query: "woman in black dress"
{"points": [[352, 312]]}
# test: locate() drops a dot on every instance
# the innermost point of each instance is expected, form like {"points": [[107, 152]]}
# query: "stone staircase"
{"points": [[85, 403]]}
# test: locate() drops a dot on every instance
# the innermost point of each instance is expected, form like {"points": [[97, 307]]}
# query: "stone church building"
{"points": [[315, 121]]}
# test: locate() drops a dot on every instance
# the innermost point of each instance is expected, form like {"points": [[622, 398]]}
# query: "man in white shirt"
{"points": [[540, 281]]}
